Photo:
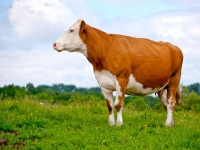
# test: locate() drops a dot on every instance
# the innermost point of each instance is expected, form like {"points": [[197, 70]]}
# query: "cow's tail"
{"points": [[178, 96]]}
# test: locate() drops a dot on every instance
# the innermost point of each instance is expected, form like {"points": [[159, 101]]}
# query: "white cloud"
{"points": [[40, 20], [117, 2], [185, 3], [38, 17], [43, 65]]}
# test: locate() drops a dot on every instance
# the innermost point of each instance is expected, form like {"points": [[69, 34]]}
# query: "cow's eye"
{"points": [[71, 30]]}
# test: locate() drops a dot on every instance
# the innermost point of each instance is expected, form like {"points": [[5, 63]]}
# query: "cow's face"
{"points": [[70, 40]]}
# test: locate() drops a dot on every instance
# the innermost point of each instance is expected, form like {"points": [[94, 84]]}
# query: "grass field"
{"points": [[29, 124]]}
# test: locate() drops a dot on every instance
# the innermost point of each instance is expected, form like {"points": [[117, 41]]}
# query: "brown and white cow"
{"points": [[127, 65]]}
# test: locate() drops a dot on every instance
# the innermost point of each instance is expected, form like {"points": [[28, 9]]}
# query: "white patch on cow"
{"points": [[164, 97], [108, 83], [135, 87], [71, 41], [119, 118], [118, 93], [106, 80], [118, 89], [169, 121]]}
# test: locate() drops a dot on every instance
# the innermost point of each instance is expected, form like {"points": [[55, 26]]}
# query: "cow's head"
{"points": [[71, 39]]}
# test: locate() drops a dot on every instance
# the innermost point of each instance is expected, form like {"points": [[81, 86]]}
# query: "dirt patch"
{"points": [[3, 143], [18, 145], [14, 133]]}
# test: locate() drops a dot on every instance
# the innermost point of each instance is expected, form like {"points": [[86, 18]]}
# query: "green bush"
{"points": [[192, 102], [137, 103]]}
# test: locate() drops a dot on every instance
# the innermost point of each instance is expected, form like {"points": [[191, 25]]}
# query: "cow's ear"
{"points": [[83, 26]]}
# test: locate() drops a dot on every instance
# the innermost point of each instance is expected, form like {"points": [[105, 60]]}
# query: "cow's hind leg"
{"points": [[170, 97], [110, 104], [167, 103]]}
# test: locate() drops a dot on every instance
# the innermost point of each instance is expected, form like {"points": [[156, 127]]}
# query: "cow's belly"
{"points": [[108, 82], [136, 88]]}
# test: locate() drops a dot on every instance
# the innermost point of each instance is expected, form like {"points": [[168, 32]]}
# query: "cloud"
{"points": [[185, 3], [38, 21], [39, 17], [117, 3], [43, 65], [28, 56]]}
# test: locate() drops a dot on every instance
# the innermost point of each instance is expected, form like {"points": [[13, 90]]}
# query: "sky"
{"points": [[28, 29]]}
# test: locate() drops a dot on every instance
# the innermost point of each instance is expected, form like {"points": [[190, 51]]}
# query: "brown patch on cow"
{"points": [[118, 107], [18, 145], [160, 93], [165, 107], [178, 97], [109, 107], [172, 104], [120, 104]]}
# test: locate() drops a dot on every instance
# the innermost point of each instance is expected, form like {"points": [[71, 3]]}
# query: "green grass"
{"points": [[84, 125]]}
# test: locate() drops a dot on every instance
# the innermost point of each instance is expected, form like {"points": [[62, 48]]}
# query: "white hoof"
{"points": [[119, 123], [111, 120], [169, 124], [112, 123]]}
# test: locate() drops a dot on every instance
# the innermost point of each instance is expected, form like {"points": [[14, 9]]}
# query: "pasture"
{"points": [[32, 124]]}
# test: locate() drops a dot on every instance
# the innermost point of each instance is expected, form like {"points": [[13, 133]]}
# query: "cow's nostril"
{"points": [[54, 44]]}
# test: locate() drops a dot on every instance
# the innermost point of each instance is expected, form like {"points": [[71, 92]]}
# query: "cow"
{"points": [[127, 65]]}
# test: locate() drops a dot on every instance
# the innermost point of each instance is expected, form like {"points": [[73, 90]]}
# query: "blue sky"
{"points": [[135, 9], [29, 27]]}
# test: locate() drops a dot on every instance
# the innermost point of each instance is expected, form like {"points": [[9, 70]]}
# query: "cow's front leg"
{"points": [[110, 104], [119, 102]]}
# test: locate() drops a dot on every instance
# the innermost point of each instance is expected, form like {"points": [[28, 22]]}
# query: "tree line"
{"points": [[46, 92], [61, 93]]}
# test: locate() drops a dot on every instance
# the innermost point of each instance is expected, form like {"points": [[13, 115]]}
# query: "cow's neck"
{"points": [[97, 43]]}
